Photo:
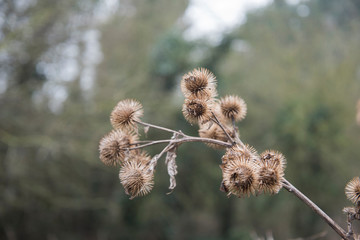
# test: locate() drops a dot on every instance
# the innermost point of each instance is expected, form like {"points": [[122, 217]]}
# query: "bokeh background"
{"points": [[65, 64]]}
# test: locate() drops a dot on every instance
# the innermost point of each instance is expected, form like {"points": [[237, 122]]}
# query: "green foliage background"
{"points": [[300, 77]]}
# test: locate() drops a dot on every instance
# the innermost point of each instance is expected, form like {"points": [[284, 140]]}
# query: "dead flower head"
{"points": [[247, 152], [197, 110], [199, 83], [271, 171], [135, 175], [233, 107], [112, 146], [125, 113], [213, 131], [240, 176], [274, 158], [352, 190]]}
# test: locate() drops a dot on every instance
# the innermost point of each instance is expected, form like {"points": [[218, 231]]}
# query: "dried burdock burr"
{"points": [[136, 176], [274, 157], [199, 83], [125, 114], [240, 177], [271, 171], [197, 110], [113, 146], [352, 190], [233, 107], [247, 152]]}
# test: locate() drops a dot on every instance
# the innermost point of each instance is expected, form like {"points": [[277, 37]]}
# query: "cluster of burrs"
{"points": [[244, 171]]}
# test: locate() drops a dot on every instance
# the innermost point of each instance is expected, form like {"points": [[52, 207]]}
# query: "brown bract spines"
{"points": [[199, 83], [271, 171], [125, 113], [240, 177], [213, 131], [197, 110], [112, 147], [135, 175], [352, 190], [247, 152], [233, 107], [273, 158]]}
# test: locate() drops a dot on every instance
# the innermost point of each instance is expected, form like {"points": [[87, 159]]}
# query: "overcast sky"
{"points": [[210, 18]]}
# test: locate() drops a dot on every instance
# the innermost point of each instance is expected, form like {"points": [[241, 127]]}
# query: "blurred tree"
{"points": [[297, 67]]}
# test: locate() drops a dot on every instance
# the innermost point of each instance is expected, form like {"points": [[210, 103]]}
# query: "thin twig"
{"points": [[140, 142], [183, 140], [341, 232], [216, 120], [234, 125], [236, 134], [150, 143], [156, 158], [350, 218], [160, 128]]}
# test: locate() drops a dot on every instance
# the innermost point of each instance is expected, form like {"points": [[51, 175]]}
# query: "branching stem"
{"points": [[179, 138], [183, 140], [216, 120]]}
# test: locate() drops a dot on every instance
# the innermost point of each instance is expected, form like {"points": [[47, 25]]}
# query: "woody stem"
{"points": [[341, 232]]}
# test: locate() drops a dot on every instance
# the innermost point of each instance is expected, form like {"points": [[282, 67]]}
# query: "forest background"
{"points": [[65, 64]]}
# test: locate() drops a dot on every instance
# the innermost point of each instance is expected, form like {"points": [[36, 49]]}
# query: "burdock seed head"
{"points": [[273, 158], [197, 110], [125, 113], [213, 131], [233, 107], [247, 152], [135, 175], [271, 171], [199, 83], [113, 146], [352, 190], [240, 177]]}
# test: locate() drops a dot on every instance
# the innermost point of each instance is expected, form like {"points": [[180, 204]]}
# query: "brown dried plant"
{"points": [[244, 171], [125, 114]]}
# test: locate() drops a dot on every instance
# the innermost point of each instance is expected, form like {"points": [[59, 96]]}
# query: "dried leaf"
{"points": [[153, 162], [146, 129], [171, 167]]}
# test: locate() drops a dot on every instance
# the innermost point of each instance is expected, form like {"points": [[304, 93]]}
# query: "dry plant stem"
{"points": [[341, 232], [286, 184], [161, 128], [237, 138], [183, 140], [234, 126], [350, 233], [216, 120], [236, 134]]}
